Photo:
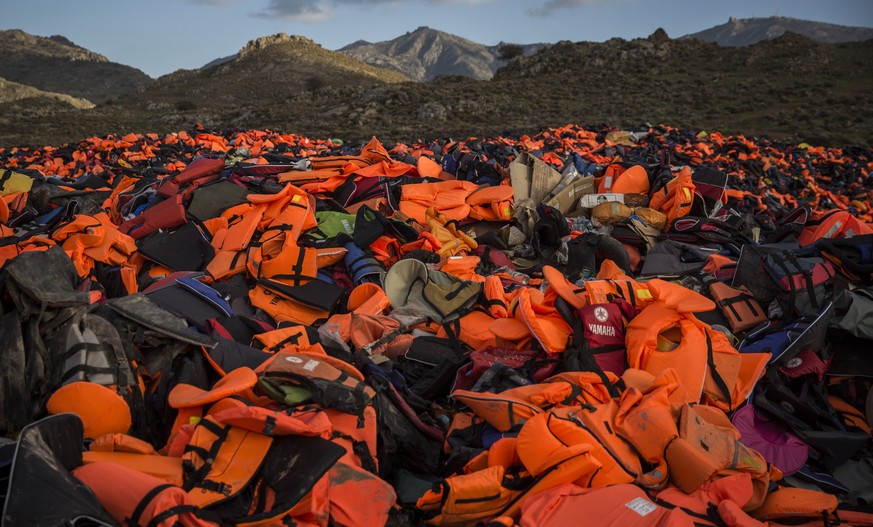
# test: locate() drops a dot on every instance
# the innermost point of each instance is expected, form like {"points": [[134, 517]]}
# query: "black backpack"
{"points": [[44, 302], [805, 409], [803, 285], [548, 231], [852, 256]]}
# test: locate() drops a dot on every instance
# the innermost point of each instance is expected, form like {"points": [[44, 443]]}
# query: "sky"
{"points": [[161, 36]]}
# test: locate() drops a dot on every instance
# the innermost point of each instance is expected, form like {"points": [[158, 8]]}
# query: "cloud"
{"points": [[302, 10], [214, 3], [555, 5], [318, 10]]}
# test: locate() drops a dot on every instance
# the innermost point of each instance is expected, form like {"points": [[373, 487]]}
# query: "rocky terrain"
{"points": [[15, 93], [55, 64], [426, 53], [747, 31], [790, 88]]}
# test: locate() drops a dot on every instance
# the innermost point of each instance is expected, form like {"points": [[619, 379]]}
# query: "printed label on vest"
{"points": [[603, 331], [601, 314], [641, 506], [794, 363], [833, 230], [310, 365]]}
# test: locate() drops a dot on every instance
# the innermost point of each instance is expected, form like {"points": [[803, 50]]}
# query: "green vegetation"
{"points": [[789, 88]]}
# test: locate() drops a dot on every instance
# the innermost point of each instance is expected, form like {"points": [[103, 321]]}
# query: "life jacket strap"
{"points": [[133, 521]]}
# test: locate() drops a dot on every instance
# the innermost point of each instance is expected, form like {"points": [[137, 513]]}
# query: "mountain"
{"points": [[820, 95], [13, 92], [426, 53], [266, 72], [219, 61], [746, 31], [55, 64]]}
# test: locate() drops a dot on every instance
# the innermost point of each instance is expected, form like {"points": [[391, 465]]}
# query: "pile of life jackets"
{"points": [[585, 326]]}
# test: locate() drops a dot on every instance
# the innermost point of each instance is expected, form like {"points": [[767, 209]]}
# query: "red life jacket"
{"points": [[603, 330]]}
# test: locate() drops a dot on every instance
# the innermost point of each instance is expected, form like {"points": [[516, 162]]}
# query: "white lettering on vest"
{"points": [[599, 329]]}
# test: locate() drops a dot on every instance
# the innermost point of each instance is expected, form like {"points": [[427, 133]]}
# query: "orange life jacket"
{"points": [[8, 252], [121, 443], [647, 422], [603, 291], [447, 197], [333, 383], [676, 197], [511, 333], [706, 451], [510, 408], [358, 434], [544, 322], [787, 502], [494, 491], [220, 460], [378, 335], [452, 239], [464, 267], [710, 368], [165, 468], [716, 503], [12, 204], [138, 500], [590, 387], [491, 203], [599, 421], [94, 238], [465, 499], [503, 452], [615, 506], [549, 436], [284, 309], [368, 299], [495, 297], [472, 329], [618, 180], [191, 401], [276, 423], [387, 250], [226, 264], [358, 498], [280, 259], [504, 411], [832, 224], [242, 222], [372, 152], [283, 339], [102, 410]]}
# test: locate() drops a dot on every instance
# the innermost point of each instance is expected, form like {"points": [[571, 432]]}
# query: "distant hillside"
{"points": [[426, 53], [265, 73], [55, 64], [13, 91], [746, 31], [789, 88]]}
